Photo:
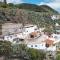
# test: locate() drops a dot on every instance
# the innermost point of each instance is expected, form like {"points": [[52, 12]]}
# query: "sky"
{"points": [[55, 4]]}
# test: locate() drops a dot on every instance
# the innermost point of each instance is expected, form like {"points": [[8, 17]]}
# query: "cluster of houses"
{"points": [[30, 35]]}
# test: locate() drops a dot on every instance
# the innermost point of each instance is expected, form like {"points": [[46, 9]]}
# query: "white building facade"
{"points": [[42, 46], [29, 29], [25, 31]]}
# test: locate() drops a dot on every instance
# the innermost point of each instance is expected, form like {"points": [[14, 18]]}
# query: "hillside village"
{"points": [[29, 32], [31, 35]]}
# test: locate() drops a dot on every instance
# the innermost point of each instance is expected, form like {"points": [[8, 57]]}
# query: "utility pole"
{"points": [[5, 1]]}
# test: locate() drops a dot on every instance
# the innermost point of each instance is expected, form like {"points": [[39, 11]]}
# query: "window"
{"points": [[53, 44], [7, 37], [42, 44], [35, 45], [55, 37], [31, 36], [31, 45], [10, 36], [36, 29]]}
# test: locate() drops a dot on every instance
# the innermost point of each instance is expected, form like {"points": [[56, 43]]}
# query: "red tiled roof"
{"points": [[50, 42], [34, 33]]}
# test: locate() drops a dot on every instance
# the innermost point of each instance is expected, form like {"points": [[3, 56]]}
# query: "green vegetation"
{"points": [[58, 57], [42, 19], [31, 7], [5, 48], [36, 8], [28, 13], [28, 53], [49, 30], [36, 54]]}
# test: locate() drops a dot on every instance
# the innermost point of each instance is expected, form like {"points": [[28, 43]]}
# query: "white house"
{"points": [[42, 46], [55, 17], [37, 46], [57, 39], [25, 31], [46, 45], [10, 37], [29, 28], [41, 29], [56, 36]]}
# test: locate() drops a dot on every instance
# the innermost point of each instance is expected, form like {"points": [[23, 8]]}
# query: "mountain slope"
{"points": [[28, 13], [41, 8]]}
